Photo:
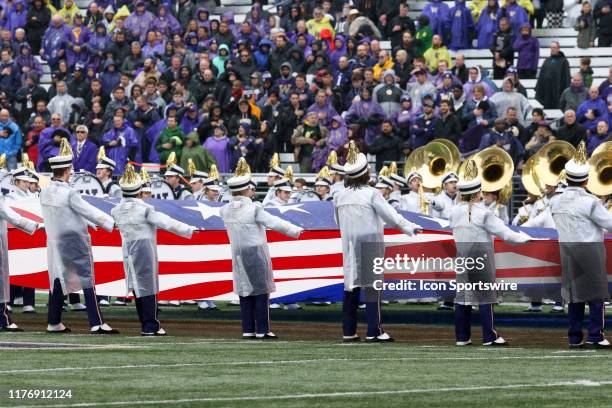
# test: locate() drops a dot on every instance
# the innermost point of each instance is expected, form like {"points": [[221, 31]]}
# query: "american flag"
{"points": [[305, 269]]}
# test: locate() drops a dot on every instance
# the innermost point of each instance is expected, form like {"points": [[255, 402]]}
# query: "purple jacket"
{"points": [[152, 134], [220, 149], [47, 147], [600, 111], [78, 35], [439, 17], [127, 139], [55, 39], [517, 16], [17, 19], [371, 112], [528, 49], [166, 24], [461, 26], [87, 160], [139, 24], [487, 26], [325, 112]]}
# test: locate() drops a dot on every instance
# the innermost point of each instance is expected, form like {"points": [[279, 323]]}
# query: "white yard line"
{"points": [[305, 361], [577, 383]]}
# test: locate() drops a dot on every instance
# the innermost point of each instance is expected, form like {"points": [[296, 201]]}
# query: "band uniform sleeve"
{"points": [[162, 221], [601, 217], [17, 220], [391, 216], [276, 223], [90, 213], [497, 227]]}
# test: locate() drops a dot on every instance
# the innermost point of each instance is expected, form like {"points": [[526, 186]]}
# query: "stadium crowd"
{"points": [[151, 78]]}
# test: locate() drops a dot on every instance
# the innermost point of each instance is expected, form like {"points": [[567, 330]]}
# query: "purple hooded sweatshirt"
{"points": [[17, 18], [166, 24], [528, 48], [219, 148], [25, 59], [139, 24], [366, 109], [487, 26], [78, 35], [54, 40], [325, 112], [202, 22], [439, 17], [461, 26], [127, 139], [47, 147]]}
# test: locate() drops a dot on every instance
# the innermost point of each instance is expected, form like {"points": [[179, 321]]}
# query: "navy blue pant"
{"points": [[255, 313], [350, 304], [5, 318], [146, 307], [74, 298], [26, 293], [463, 323], [575, 313], [56, 303]]}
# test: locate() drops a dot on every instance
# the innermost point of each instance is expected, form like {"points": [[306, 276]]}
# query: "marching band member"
{"points": [[491, 200], [275, 174], [416, 200], [34, 186], [385, 185], [323, 185], [138, 222], [173, 176], [399, 183], [246, 225], [444, 201], [212, 190], [473, 224], [581, 222], [359, 211], [146, 192], [525, 212], [22, 178], [282, 190], [336, 172], [196, 180], [7, 214], [104, 173], [69, 253]]}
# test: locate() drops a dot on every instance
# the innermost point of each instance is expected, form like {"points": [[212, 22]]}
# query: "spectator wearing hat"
{"points": [[419, 88], [388, 94], [422, 131], [360, 26], [84, 151], [194, 151], [541, 136]]}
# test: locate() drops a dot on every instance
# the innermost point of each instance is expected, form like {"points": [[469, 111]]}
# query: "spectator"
{"points": [[459, 70], [605, 88], [542, 135], [399, 25], [323, 108], [501, 136], [503, 53], [571, 131], [10, 139], [436, 53], [598, 137], [386, 146], [366, 116], [361, 26], [49, 142], [32, 138], [61, 103], [304, 139], [518, 131], [461, 26], [388, 94], [37, 21], [510, 98], [528, 49], [85, 152], [603, 19], [121, 143], [438, 14], [554, 13], [54, 43], [423, 129], [516, 15], [95, 122], [554, 78], [421, 87], [487, 24], [194, 150], [139, 21], [585, 25], [219, 146], [586, 71], [10, 76], [573, 96], [478, 110], [474, 79], [592, 111], [447, 125], [384, 64]]}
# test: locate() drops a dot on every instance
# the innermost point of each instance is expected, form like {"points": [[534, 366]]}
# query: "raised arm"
{"points": [[392, 217], [276, 223], [164, 222], [17, 220], [90, 213]]}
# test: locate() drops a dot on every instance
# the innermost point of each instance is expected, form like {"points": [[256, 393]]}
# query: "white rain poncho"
{"points": [[412, 202], [473, 238], [443, 204], [69, 256], [246, 225], [7, 214], [361, 213], [581, 221], [138, 222], [500, 211]]}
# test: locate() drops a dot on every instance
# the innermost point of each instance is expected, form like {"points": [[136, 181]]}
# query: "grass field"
{"points": [[202, 363]]}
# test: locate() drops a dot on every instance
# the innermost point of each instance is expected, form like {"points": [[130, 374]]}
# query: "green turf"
{"points": [[220, 372]]}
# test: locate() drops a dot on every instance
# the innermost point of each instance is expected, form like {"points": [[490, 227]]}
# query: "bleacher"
{"points": [[601, 58]]}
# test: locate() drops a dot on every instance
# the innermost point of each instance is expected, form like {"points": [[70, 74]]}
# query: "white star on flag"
{"points": [[291, 207], [206, 211]]}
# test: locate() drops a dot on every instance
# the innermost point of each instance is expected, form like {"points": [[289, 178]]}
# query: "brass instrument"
{"points": [[495, 168], [600, 173], [550, 160], [530, 179], [606, 146], [454, 150], [431, 161]]}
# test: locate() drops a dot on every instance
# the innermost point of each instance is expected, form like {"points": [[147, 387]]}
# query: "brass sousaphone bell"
{"points": [[530, 179], [495, 168], [550, 160], [431, 161], [600, 173]]}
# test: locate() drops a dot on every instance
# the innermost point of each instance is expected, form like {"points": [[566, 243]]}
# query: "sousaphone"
{"points": [[550, 160], [431, 161]]}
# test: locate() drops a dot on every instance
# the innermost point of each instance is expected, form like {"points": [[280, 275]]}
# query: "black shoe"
{"points": [[104, 330], [498, 342], [577, 346], [351, 339], [159, 333], [250, 336], [65, 330], [11, 329]]}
